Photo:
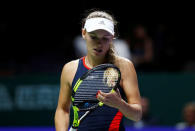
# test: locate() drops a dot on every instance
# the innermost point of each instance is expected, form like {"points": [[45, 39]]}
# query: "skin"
{"points": [[98, 43], [189, 114]]}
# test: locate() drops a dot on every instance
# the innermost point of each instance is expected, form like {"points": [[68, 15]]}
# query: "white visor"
{"points": [[93, 24]]}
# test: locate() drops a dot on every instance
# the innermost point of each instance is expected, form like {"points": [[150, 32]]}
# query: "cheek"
{"points": [[107, 47], [89, 44]]}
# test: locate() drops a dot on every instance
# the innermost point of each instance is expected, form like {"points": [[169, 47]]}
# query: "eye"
{"points": [[93, 37], [106, 39]]}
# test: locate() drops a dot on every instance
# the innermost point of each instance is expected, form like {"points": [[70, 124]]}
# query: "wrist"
{"points": [[120, 104]]}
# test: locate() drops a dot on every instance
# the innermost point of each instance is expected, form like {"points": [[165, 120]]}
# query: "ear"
{"points": [[84, 33]]}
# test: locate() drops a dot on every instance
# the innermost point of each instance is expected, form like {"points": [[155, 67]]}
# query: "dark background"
{"points": [[36, 40], [38, 37]]}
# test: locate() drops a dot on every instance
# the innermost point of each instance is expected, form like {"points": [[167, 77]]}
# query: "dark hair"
{"points": [[94, 13]]}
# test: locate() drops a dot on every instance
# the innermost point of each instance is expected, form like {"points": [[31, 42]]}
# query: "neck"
{"points": [[91, 61]]}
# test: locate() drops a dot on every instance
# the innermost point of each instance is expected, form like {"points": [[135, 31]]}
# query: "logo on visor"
{"points": [[101, 23]]}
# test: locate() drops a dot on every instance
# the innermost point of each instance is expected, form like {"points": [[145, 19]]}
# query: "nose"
{"points": [[100, 41]]}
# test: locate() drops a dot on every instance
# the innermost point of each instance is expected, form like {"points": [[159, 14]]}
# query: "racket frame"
{"points": [[76, 120]]}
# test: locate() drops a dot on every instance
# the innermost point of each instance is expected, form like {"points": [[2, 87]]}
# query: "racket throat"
{"points": [[76, 120]]}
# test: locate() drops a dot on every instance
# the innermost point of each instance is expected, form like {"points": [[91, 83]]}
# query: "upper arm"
{"points": [[67, 75], [130, 82]]}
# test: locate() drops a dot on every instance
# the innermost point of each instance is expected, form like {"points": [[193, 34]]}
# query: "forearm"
{"points": [[131, 111], [61, 120]]}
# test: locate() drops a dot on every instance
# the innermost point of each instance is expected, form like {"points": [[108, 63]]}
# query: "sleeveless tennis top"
{"points": [[103, 118]]}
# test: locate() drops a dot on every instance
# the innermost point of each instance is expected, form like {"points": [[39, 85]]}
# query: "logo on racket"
{"points": [[92, 77]]}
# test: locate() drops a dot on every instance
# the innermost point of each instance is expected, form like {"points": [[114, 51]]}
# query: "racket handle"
{"points": [[72, 129]]}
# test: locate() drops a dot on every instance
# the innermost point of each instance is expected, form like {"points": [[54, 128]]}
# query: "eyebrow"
{"points": [[96, 35], [92, 34]]}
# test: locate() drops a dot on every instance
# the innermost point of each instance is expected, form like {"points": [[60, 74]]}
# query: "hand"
{"points": [[112, 99]]}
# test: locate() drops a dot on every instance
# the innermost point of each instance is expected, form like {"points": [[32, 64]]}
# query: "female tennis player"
{"points": [[98, 31]]}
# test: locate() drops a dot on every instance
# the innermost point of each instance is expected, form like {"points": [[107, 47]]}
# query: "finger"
{"points": [[102, 93], [97, 94], [100, 97]]}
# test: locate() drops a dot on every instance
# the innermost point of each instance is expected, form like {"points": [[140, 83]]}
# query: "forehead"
{"points": [[101, 33]]}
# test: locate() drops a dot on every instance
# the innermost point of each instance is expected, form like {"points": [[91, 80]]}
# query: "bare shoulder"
{"points": [[69, 70], [123, 63], [70, 66]]}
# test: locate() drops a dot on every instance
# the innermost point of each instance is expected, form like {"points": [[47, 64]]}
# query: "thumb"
{"points": [[102, 93]]}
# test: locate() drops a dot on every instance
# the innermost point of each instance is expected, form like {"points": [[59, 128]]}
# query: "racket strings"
{"points": [[103, 80]]}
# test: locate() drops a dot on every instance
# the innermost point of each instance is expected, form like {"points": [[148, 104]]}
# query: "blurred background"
{"points": [[37, 39]]}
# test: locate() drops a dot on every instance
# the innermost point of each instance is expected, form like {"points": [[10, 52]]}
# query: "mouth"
{"points": [[98, 50]]}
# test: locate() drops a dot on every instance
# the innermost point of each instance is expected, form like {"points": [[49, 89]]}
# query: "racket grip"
{"points": [[72, 129]]}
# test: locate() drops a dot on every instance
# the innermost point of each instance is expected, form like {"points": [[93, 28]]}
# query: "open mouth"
{"points": [[98, 50]]}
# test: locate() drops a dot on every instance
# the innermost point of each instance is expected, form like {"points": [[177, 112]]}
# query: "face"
{"points": [[98, 42]]}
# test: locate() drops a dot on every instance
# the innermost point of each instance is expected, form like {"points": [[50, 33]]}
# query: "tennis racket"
{"points": [[104, 77]]}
